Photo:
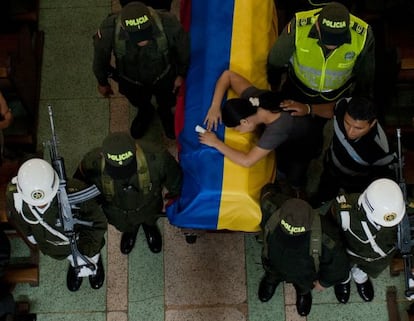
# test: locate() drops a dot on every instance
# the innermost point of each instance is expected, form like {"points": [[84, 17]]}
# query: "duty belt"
{"points": [[136, 82]]}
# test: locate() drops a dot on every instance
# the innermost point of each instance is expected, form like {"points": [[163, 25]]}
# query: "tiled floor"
{"points": [[215, 279]]}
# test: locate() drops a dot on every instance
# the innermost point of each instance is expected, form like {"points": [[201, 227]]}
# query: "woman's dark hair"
{"points": [[361, 108], [270, 101], [236, 109]]}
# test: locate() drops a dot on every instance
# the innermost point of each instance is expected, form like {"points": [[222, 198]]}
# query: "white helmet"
{"points": [[383, 202], [37, 182]]}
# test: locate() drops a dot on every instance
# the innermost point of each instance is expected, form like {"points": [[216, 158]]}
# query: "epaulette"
{"points": [[11, 188], [304, 21], [343, 204], [358, 28]]}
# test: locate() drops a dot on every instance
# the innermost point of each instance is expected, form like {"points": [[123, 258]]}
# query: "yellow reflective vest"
{"points": [[310, 65]]}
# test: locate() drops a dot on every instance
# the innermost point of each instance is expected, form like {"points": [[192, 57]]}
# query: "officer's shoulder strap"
{"points": [[305, 18], [161, 37], [144, 177], [107, 182], [157, 19]]}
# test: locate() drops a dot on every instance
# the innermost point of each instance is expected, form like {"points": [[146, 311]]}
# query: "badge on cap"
{"points": [[37, 195], [389, 217]]}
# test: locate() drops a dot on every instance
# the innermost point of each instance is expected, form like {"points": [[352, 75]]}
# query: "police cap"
{"points": [[296, 217], [333, 23], [119, 153], [136, 19]]}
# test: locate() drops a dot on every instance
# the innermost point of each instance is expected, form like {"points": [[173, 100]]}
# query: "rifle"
{"points": [[67, 203], [405, 241]]}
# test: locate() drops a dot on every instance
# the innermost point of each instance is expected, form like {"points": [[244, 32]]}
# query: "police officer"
{"points": [[289, 255], [131, 177], [328, 53], [151, 58], [359, 151], [34, 210], [369, 222]]}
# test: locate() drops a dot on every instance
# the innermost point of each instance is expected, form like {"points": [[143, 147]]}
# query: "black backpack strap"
{"points": [[315, 246]]}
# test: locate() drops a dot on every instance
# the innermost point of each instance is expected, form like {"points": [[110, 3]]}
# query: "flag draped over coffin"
{"points": [[217, 193]]}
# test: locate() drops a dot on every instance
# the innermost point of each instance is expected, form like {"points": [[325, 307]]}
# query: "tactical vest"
{"points": [[159, 37], [143, 174], [314, 70], [315, 248]]}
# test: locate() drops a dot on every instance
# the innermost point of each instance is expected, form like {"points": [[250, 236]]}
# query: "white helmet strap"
{"points": [[371, 240]]}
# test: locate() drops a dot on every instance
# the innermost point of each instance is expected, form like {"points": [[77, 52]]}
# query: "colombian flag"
{"points": [[217, 194]]}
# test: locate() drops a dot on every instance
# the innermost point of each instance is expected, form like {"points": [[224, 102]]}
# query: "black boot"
{"points": [[266, 289], [96, 281], [73, 282], [366, 290], [303, 303], [128, 241], [153, 235], [343, 291]]}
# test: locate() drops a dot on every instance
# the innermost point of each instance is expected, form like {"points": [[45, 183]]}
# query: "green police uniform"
{"points": [[141, 64], [289, 257], [90, 240], [352, 218], [127, 204]]}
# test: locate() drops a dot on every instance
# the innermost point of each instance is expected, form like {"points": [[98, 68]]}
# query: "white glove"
{"points": [[411, 285], [31, 239], [85, 271]]}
